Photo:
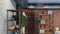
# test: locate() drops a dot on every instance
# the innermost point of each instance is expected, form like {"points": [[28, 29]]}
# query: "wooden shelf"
{"points": [[13, 10], [13, 20], [48, 20], [12, 30], [45, 19], [45, 14]]}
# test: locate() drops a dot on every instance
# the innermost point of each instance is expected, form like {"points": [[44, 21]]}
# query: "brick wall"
{"points": [[56, 16]]}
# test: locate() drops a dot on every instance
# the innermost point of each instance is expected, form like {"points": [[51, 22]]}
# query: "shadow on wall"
{"points": [[13, 3], [21, 3]]}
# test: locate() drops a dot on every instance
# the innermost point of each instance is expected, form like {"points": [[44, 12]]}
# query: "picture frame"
{"points": [[42, 21], [42, 31], [50, 12]]}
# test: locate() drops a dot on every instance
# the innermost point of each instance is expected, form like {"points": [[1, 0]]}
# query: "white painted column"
{"points": [[4, 5]]}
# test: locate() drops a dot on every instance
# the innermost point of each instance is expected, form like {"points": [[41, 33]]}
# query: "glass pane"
{"points": [[10, 32]]}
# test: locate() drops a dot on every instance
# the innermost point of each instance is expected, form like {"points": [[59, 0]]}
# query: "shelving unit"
{"points": [[45, 21], [35, 21], [13, 22]]}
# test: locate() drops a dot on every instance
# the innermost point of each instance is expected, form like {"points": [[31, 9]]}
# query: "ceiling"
{"points": [[24, 3], [44, 1]]}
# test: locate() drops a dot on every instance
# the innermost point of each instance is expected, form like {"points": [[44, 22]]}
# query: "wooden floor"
{"points": [[48, 33]]}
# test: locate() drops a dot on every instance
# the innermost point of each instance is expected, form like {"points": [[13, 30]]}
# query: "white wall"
{"points": [[4, 5]]}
